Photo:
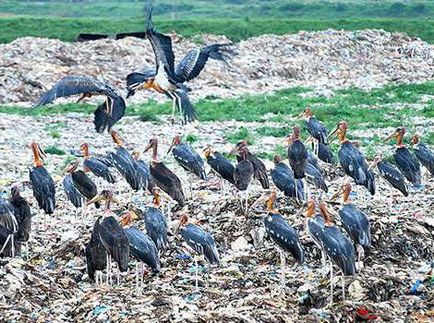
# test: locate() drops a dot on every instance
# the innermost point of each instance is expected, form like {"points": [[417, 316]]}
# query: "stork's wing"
{"points": [[72, 85], [105, 120], [162, 46], [195, 60]]}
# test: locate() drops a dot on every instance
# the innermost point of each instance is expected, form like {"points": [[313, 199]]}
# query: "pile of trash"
{"points": [[323, 60], [395, 278]]}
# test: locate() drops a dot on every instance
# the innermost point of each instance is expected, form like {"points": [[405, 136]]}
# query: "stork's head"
{"points": [[378, 158], [296, 133], [72, 167], [340, 131], [117, 139], [289, 139], [84, 148], [38, 154], [398, 134], [183, 220], [157, 197], [415, 139], [277, 159], [153, 143], [107, 196], [175, 142], [310, 208], [15, 189], [136, 154], [127, 218], [208, 151], [345, 191], [239, 146], [325, 213], [270, 202]]}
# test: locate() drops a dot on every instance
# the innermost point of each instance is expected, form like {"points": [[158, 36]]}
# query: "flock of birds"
{"points": [[115, 239]]}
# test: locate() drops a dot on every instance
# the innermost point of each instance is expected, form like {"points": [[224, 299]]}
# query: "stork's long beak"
{"points": [[300, 115], [337, 194], [171, 147], [95, 199], [148, 147], [308, 140], [234, 150], [261, 199], [374, 163], [178, 227], [300, 211], [42, 153], [332, 133], [393, 135]]}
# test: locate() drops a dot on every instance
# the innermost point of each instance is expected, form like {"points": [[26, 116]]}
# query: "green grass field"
{"points": [[390, 106], [67, 29], [318, 9]]}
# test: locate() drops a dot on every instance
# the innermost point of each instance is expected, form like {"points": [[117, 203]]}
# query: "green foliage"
{"points": [[246, 9], [274, 131], [241, 134], [191, 138], [67, 29], [53, 150]]}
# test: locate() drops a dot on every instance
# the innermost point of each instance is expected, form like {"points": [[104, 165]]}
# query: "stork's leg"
{"points": [[27, 250], [222, 186], [343, 286], [179, 102], [137, 278], [331, 283], [118, 276], [247, 200], [5, 244], [197, 273], [282, 269], [13, 245], [83, 96], [324, 261], [110, 270], [173, 107], [142, 272], [107, 269]]}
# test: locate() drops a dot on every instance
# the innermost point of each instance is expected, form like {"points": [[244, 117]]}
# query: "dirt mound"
{"points": [[326, 59]]}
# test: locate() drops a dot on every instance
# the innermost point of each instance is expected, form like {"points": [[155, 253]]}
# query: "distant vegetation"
{"points": [[187, 9], [67, 29], [237, 19]]}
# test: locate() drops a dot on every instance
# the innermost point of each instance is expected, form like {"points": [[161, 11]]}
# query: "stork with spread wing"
{"points": [[106, 115], [167, 78]]}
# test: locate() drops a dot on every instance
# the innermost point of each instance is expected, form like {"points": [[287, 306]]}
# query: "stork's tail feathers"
{"points": [[370, 182], [100, 118], [220, 52], [46, 98]]}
